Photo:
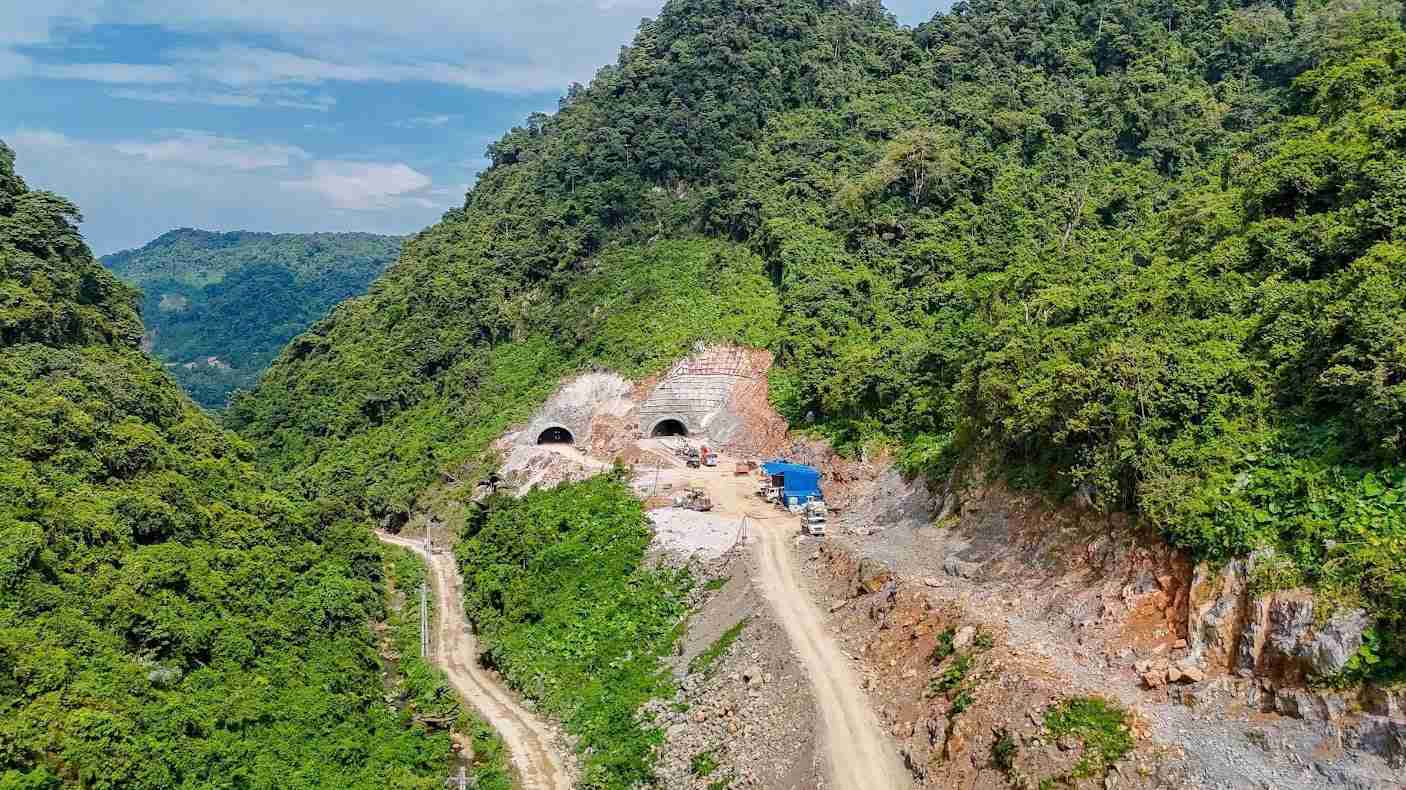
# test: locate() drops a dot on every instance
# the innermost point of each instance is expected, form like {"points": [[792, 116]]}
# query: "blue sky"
{"points": [[287, 115]]}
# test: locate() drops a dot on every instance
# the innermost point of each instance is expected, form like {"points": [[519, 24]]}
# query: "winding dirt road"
{"points": [[529, 740], [861, 757]]}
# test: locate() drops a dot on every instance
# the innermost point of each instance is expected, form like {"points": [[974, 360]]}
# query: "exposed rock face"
{"points": [[1290, 621], [1216, 620], [1337, 641], [718, 394], [947, 710], [1385, 702], [1274, 635], [1196, 649]]}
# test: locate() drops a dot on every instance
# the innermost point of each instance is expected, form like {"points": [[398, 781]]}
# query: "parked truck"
{"points": [[814, 515]]}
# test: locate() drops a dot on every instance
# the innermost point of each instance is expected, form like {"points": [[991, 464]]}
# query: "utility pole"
{"points": [[461, 781], [424, 622]]}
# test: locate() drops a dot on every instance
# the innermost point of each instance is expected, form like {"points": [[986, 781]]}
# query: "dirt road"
{"points": [[861, 757], [529, 741]]}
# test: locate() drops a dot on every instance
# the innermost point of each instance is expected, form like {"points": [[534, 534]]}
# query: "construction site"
{"points": [[877, 633], [701, 441]]}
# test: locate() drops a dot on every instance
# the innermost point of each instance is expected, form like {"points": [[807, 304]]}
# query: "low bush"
{"points": [[1101, 725]]}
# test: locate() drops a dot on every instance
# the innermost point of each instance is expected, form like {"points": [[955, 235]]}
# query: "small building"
{"points": [[794, 481]]}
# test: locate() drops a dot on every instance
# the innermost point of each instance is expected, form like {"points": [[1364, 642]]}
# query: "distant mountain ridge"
{"points": [[219, 305], [200, 257]]}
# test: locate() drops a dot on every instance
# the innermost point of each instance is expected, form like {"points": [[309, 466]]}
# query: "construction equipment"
{"points": [[693, 499], [709, 458]]}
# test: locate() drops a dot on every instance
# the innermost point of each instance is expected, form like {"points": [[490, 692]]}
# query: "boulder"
{"points": [[1337, 641], [956, 566], [1187, 671], [873, 575], [963, 638]]}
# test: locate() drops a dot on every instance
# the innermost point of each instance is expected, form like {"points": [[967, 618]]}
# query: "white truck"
{"points": [[813, 518]]}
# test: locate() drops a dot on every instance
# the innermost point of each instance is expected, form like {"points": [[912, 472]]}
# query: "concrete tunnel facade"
{"points": [[670, 426], [556, 434]]}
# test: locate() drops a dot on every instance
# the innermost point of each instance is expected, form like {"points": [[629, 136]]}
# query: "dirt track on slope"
{"points": [[860, 755], [534, 757]]}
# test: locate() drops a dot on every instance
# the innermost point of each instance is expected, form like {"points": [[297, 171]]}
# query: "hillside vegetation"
{"points": [[240, 297], [1146, 251], [167, 618], [566, 609]]}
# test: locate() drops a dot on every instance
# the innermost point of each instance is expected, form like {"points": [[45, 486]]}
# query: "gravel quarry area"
{"points": [[744, 714], [689, 535]]}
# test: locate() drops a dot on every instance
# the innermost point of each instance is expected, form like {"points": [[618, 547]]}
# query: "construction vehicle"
{"points": [[709, 459], [693, 499], [813, 517]]}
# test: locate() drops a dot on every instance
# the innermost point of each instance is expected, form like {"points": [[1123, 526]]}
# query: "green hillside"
{"points": [[240, 297], [1148, 251], [168, 619]]}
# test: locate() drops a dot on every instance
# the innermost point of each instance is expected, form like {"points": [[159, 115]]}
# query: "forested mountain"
{"points": [[168, 619], [238, 298], [1145, 251]]}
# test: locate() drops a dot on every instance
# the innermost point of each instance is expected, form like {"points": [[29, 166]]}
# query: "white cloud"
{"points": [[245, 68], [204, 150], [111, 73], [424, 122], [273, 97], [132, 196], [363, 186], [497, 45], [183, 96], [500, 45], [42, 139]]}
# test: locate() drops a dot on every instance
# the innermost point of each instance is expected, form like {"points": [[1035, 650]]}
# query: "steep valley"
{"points": [[1090, 318], [218, 307]]}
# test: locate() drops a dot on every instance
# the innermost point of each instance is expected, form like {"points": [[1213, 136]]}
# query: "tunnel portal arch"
{"points": [[556, 434], [669, 426]]}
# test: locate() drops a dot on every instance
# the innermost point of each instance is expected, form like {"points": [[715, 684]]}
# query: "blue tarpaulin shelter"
{"points": [[797, 480]]}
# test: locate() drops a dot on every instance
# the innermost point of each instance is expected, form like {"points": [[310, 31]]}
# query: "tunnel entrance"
{"points": [[669, 428], [556, 435]]}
